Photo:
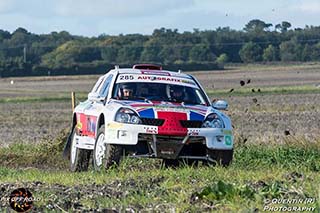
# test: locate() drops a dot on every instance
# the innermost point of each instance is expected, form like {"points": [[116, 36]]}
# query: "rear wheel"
{"points": [[79, 158], [105, 155], [221, 157]]}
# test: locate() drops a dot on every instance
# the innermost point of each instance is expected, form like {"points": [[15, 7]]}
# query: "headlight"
{"points": [[213, 121], [125, 115]]}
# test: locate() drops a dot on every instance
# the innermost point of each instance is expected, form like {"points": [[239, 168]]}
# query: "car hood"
{"points": [[156, 109]]}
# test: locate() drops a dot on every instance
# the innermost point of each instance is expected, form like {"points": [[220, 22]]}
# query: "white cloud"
{"points": [[308, 6], [118, 8], [6, 6]]}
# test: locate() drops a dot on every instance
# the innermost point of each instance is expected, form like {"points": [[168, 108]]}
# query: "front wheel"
{"points": [[105, 155], [221, 157], [79, 158]]}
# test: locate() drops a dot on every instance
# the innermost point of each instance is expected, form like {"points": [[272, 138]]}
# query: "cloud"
{"points": [[6, 6], [308, 6], [118, 8]]}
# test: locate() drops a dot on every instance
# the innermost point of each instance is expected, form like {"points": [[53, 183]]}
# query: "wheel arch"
{"points": [[100, 122], [74, 120]]}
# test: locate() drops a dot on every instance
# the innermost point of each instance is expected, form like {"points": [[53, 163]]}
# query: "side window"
{"points": [[97, 85], [105, 87]]}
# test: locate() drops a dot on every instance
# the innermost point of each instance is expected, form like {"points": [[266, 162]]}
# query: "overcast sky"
{"points": [[113, 17]]}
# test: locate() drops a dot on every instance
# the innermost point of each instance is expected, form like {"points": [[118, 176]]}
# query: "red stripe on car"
{"points": [[172, 124]]}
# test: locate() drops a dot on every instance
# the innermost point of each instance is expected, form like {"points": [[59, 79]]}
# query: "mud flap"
{"points": [[67, 147]]}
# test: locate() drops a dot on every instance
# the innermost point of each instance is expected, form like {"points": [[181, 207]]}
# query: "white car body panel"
{"points": [[89, 113]]}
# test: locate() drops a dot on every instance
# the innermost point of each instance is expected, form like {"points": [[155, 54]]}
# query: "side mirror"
{"points": [[220, 104], [95, 97]]}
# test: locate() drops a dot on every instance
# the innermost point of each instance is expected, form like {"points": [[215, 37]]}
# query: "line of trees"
{"points": [[23, 53]]}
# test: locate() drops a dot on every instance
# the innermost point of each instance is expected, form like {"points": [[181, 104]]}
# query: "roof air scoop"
{"points": [[147, 67]]}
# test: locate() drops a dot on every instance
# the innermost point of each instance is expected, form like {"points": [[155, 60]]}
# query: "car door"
{"points": [[96, 105]]}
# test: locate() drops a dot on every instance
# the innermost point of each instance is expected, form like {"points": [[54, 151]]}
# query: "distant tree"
{"points": [[201, 53], [63, 56], [222, 59], [59, 50], [283, 27], [151, 51], [129, 53], [306, 53], [290, 50], [20, 37], [271, 53], [4, 35], [250, 52], [87, 54], [109, 54], [315, 52], [257, 25], [165, 51], [21, 30]]}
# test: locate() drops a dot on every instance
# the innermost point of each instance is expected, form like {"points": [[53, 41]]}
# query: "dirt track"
{"points": [[255, 117]]}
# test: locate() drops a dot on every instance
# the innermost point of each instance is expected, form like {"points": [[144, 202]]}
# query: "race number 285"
{"points": [[126, 77]]}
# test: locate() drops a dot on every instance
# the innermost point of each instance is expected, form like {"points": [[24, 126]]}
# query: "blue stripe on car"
{"points": [[196, 116], [148, 113]]}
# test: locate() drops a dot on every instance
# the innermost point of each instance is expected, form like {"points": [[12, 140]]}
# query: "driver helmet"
{"points": [[126, 90]]}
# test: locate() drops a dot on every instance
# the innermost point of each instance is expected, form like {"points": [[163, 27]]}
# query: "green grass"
{"points": [[247, 91], [259, 172], [32, 99]]}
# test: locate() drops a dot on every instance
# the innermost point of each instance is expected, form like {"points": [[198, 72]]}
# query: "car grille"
{"points": [[172, 139], [152, 121], [191, 124]]}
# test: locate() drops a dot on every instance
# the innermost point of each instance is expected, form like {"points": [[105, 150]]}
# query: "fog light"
{"points": [[122, 133], [220, 138]]}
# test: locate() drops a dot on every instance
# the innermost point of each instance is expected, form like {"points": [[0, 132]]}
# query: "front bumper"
{"points": [[128, 134]]}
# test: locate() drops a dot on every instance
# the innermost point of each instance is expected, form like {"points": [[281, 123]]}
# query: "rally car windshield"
{"points": [[159, 92]]}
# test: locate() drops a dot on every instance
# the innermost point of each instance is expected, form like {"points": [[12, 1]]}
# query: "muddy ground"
{"points": [[255, 117]]}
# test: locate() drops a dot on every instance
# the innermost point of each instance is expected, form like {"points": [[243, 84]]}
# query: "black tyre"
{"points": [[79, 158], [105, 155], [221, 157]]}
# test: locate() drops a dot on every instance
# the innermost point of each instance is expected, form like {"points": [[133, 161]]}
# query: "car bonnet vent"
{"points": [[147, 67]]}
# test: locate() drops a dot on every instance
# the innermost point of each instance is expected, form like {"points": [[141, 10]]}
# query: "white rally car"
{"points": [[145, 111]]}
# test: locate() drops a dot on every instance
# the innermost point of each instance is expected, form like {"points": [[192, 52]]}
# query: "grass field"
{"points": [[268, 164]]}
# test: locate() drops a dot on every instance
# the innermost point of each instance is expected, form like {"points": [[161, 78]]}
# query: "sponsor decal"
{"points": [[153, 78], [172, 109], [193, 132], [228, 140], [91, 124], [227, 132], [158, 78], [151, 130], [155, 73], [86, 124], [126, 77], [115, 125], [79, 125]]}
